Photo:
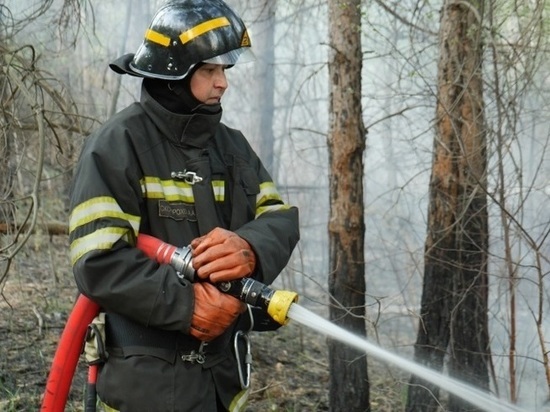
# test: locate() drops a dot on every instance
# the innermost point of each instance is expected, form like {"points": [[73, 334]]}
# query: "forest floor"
{"points": [[290, 366]]}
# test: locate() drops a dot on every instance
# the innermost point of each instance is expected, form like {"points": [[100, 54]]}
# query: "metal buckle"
{"points": [[195, 356], [187, 176]]}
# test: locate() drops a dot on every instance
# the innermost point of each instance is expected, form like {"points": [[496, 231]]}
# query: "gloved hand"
{"points": [[214, 311], [222, 255]]}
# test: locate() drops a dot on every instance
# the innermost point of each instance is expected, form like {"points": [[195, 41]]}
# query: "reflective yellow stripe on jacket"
{"points": [[103, 207], [238, 403]]}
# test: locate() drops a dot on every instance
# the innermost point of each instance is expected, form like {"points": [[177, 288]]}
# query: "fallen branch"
{"points": [[52, 228]]}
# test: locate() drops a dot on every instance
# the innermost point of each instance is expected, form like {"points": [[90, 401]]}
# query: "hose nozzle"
{"points": [[275, 302], [255, 293], [280, 304]]}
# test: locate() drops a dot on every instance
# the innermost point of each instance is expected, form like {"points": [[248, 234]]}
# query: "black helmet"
{"points": [[184, 33]]}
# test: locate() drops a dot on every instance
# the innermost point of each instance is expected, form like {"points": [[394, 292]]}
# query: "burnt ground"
{"points": [[290, 371]]}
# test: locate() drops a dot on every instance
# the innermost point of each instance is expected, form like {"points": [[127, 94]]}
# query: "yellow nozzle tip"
{"points": [[280, 304]]}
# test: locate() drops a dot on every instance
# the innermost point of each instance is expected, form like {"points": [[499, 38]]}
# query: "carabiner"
{"points": [[245, 381]]}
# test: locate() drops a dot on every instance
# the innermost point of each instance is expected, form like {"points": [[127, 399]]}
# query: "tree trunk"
{"points": [[263, 91], [453, 317], [349, 385]]}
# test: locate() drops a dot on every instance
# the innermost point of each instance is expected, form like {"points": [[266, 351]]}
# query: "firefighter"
{"points": [[168, 167]]}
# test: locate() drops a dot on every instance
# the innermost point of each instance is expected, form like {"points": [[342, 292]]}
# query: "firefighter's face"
{"points": [[209, 83]]}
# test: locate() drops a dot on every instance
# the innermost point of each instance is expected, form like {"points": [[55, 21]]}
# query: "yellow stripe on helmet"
{"points": [[157, 37], [202, 28]]}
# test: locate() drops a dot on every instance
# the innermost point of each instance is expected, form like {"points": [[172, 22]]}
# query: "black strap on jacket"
{"points": [[238, 196], [205, 206]]}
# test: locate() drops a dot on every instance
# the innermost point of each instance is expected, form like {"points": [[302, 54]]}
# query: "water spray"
{"points": [[275, 302], [472, 395], [280, 305]]}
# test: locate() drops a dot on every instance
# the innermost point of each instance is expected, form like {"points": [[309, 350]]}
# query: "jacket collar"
{"points": [[183, 129]]}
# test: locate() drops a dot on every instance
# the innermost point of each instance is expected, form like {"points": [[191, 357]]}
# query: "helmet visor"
{"points": [[240, 55]]}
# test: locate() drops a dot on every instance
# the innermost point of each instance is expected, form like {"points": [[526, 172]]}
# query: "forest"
{"points": [[413, 136]]}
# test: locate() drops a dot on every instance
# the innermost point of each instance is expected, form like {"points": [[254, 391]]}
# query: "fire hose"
{"points": [[252, 292], [67, 354], [275, 302]]}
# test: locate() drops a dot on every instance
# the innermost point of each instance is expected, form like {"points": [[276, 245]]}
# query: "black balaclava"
{"points": [[176, 96]]}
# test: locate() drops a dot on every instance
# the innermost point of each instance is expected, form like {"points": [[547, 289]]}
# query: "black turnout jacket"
{"points": [[129, 181]]}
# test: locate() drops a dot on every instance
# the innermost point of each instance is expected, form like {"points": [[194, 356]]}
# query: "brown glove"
{"points": [[222, 255], [214, 311]]}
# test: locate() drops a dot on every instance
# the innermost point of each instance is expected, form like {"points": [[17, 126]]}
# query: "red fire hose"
{"points": [[67, 355], [70, 348], [275, 303]]}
